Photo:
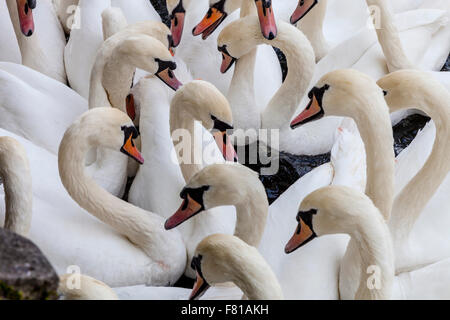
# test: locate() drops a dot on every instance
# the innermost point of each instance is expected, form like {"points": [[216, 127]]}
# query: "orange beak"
{"points": [[131, 109], [130, 150], [225, 146], [266, 19], [200, 287], [312, 112], [209, 24], [24, 8], [168, 77], [177, 27], [188, 209], [304, 6], [302, 236], [227, 62]]}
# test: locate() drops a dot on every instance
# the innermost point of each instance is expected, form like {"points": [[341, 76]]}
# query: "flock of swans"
{"points": [[91, 93]]}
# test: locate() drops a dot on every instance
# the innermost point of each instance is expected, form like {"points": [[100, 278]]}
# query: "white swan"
{"points": [[339, 209], [424, 195], [113, 72], [220, 258], [9, 48], [239, 38], [40, 36], [195, 101], [340, 93], [166, 250]]}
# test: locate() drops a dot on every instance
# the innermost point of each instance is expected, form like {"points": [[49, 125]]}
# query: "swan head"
{"points": [[220, 9], [339, 93], [222, 258], [177, 15], [303, 8], [25, 10], [214, 186], [205, 103], [329, 210], [233, 46], [151, 55], [109, 128]]}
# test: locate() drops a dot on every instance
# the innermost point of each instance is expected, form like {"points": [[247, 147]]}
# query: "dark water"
{"points": [[446, 67]]}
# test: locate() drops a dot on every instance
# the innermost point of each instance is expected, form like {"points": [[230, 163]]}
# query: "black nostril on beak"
{"points": [[271, 36], [29, 33]]}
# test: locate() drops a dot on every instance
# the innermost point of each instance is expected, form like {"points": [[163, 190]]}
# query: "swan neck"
{"points": [[16, 177], [388, 36], [369, 256], [301, 65], [413, 198], [375, 128]]}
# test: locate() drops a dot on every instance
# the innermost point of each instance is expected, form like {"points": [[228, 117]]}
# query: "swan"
{"points": [[425, 191], [86, 39], [120, 55], [165, 250], [340, 209], [201, 56], [113, 72], [215, 186], [40, 36], [239, 38], [225, 184], [220, 258], [340, 93], [160, 114]]}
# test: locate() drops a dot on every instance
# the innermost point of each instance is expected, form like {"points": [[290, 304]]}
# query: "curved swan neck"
{"points": [[312, 26], [247, 8], [301, 65], [374, 125], [376, 256], [429, 96], [388, 36], [131, 221], [16, 176]]}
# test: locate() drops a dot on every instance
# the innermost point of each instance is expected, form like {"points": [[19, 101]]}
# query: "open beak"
{"points": [[200, 287], [131, 109], [312, 112], [227, 62], [304, 6], [176, 27], [130, 150], [188, 209], [225, 146], [210, 22], [168, 77], [266, 19], [24, 8], [302, 236]]}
